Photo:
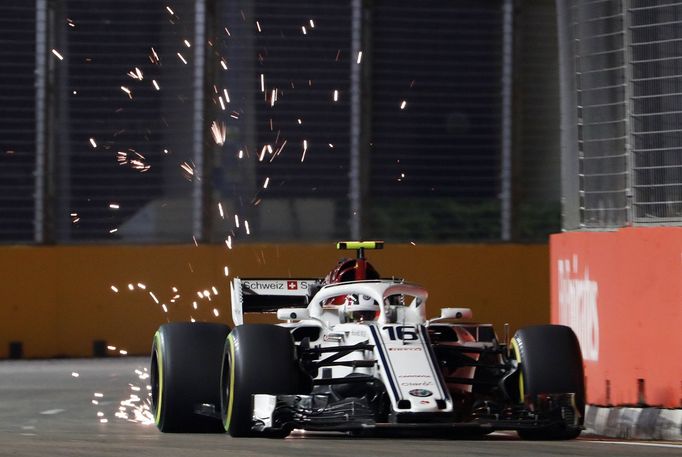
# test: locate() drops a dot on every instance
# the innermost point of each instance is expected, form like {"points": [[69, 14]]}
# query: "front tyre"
{"points": [[551, 362], [185, 376], [258, 359]]}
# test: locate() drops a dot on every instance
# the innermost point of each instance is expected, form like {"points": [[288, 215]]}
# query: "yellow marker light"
{"points": [[360, 245]]}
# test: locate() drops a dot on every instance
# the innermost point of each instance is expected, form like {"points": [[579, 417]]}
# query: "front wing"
{"points": [[316, 413]]}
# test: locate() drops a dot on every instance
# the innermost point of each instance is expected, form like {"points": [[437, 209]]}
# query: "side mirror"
{"points": [[456, 313], [293, 314]]}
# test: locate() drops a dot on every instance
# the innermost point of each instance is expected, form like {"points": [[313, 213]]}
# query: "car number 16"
{"points": [[401, 332]]}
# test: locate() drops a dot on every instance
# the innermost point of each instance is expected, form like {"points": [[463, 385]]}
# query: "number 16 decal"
{"points": [[402, 332]]}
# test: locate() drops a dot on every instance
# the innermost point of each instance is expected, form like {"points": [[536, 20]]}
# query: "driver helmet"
{"points": [[361, 308], [347, 270]]}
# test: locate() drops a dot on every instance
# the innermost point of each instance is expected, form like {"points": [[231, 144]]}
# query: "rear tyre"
{"points": [[185, 374], [258, 359], [551, 362]]}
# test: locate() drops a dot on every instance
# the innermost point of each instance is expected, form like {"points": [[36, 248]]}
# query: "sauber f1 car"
{"points": [[356, 353]]}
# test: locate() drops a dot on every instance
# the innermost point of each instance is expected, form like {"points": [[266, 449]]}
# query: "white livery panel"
{"points": [[255, 295], [407, 368]]}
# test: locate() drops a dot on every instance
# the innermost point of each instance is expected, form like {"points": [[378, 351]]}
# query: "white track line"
{"points": [[636, 443], [50, 412]]}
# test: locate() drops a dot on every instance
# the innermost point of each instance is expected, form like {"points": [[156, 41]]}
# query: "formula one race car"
{"points": [[355, 353]]}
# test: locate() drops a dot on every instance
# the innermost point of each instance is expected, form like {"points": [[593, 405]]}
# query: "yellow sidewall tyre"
{"points": [[258, 359], [185, 374], [551, 362]]}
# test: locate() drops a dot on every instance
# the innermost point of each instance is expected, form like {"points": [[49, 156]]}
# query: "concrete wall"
{"points": [[56, 301], [621, 293]]}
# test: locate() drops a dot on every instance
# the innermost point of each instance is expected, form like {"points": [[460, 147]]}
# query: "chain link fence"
{"points": [[18, 141], [210, 121], [621, 97], [655, 37]]}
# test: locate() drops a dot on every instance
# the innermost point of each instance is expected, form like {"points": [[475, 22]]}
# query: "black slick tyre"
{"points": [[185, 374], [258, 359], [551, 362]]}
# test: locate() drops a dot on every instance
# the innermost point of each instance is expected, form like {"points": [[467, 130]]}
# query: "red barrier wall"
{"points": [[621, 292]]}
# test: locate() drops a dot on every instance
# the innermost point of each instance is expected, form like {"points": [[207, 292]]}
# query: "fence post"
{"points": [[507, 93], [630, 197], [51, 208], [570, 188], [360, 115], [198, 130], [40, 171]]}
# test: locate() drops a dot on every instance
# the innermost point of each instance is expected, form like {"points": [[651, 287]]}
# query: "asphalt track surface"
{"points": [[68, 408]]}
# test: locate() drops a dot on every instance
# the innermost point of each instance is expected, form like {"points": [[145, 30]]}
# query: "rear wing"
{"points": [[255, 295]]}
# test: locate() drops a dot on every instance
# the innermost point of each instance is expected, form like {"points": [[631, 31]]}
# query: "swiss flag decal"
{"points": [[292, 285]]}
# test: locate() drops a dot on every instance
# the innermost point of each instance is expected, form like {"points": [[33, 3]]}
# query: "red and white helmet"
{"points": [[360, 308], [349, 270]]}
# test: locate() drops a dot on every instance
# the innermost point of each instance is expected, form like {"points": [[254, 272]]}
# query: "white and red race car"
{"points": [[355, 353]]}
